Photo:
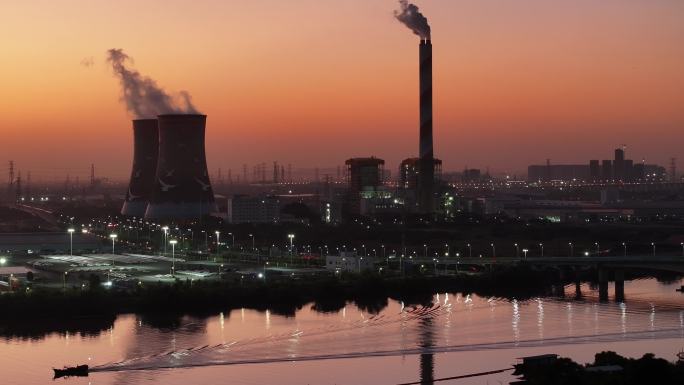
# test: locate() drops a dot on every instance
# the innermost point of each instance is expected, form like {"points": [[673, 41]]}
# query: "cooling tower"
{"points": [[145, 152], [182, 189], [426, 176]]}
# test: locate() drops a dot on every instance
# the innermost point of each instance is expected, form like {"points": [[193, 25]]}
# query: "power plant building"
{"points": [[182, 189], [145, 153], [426, 175]]}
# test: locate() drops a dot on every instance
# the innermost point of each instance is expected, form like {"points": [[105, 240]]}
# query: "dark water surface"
{"points": [[456, 335]]}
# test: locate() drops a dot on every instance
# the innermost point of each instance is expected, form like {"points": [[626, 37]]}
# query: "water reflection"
{"points": [[85, 327], [418, 332], [427, 360]]}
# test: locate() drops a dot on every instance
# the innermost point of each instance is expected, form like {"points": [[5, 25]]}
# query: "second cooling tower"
{"points": [[145, 152], [182, 189]]}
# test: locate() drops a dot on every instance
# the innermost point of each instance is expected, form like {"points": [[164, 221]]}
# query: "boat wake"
{"points": [[414, 330]]}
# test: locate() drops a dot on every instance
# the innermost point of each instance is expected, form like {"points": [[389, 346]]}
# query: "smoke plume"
{"points": [[143, 97], [410, 16]]}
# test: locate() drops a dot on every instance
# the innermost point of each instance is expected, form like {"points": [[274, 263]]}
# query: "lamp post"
{"points": [[113, 237], [682, 245], [360, 259], [598, 249], [425, 246], [571, 249], [173, 257], [624, 247], [71, 241], [232, 240], [493, 250], [64, 281], [252, 236], [384, 255], [218, 234], [291, 238], [166, 233], [653, 244], [541, 245], [525, 252], [470, 251], [517, 250]]}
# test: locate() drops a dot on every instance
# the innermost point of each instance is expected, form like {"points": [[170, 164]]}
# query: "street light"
{"points": [[166, 232], [493, 250], [71, 241], [252, 236], [470, 251], [653, 244], [517, 250], [218, 233], [232, 240], [598, 249], [291, 238], [572, 253], [624, 246], [425, 246], [525, 252], [542, 249], [682, 244], [113, 236], [173, 256]]}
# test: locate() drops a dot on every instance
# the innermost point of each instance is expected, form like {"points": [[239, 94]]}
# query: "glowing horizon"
{"points": [[313, 83]]}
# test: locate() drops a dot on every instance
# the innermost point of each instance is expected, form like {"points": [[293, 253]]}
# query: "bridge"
{"points": [[664, 263], [603, 264]]}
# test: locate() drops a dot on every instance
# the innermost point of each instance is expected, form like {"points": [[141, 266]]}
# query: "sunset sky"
{"points": [[314, 82]]}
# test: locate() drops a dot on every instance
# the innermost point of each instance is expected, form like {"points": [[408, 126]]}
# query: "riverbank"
{"points": [[328, 294]]}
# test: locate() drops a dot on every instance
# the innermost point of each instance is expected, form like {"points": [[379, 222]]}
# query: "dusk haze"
{"points": [[349, 192]]}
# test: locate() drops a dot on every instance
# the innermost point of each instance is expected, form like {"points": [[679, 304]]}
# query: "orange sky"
{"points": [[313, 82]]}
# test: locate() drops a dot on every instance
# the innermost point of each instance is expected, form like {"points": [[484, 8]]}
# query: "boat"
{"points": [[72, 371]]}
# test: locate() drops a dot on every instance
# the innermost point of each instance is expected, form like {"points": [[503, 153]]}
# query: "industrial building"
{"points": [[364, 178], [249, 209], [349, 261], [618, 169]]}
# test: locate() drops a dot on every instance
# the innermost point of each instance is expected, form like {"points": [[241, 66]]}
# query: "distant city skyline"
{"points": [[313, 83]]}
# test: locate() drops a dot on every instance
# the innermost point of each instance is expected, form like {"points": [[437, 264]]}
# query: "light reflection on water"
{"points": [[410, 342]]}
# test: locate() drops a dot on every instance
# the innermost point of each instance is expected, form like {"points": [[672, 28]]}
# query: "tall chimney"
{"points": [[145, 152], [426, 176], [182, 188]]}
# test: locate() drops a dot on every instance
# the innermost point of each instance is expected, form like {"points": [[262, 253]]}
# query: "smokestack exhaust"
{"points": [[426, 179], [182, 189], [145, 151]]}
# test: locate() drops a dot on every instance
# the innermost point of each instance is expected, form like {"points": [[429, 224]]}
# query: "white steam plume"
{"points": [[143, 97], [410, 16]]}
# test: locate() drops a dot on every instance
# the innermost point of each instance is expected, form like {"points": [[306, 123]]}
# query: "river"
{"points": [[456, 335]]}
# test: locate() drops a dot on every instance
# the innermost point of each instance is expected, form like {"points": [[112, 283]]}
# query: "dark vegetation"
{"points": [[326, 294], [645, 370]]}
